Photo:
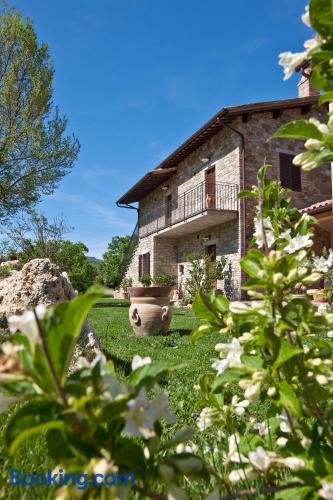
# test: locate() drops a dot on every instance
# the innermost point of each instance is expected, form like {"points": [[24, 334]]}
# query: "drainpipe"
{"points": [[126, 205], [242, 218]]}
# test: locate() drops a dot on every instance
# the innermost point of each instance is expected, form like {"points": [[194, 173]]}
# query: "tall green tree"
{"points": [[112, 260], [35, 153]]}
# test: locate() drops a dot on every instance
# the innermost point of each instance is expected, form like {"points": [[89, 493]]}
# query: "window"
{"points": [[144, 264], [290, 175]]}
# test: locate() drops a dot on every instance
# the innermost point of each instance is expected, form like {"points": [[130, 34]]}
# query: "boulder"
{"points": [[39, 282]]}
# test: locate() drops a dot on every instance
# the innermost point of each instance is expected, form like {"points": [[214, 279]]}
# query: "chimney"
{"points": [[305, 87]]}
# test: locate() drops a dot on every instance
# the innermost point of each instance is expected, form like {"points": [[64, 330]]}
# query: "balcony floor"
{"points": [[204, 220]]}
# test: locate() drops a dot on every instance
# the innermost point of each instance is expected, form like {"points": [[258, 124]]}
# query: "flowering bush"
{"points": [[90, 416], [318, 55], [280, 350]]}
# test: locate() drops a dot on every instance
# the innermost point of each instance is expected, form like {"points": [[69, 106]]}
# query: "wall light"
{"points": [[165, 188]]}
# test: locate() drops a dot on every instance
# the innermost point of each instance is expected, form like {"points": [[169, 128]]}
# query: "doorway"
{"points": [[168, 210], [210, 188]]}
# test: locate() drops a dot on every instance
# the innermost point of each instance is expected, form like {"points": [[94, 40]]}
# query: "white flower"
{"points": [[220, 365], [306, 443], [240, 475], [239, 405], [160, 408], [321, 379], [233, 453], [187, 448], [252, 391], [323, 265], [294, 463], [10, 349], [6, 401], [260, 459], [139, 421], [205, 419], [285, 424], [313, 145], [326, 491], [306, 17], [281, 441], [113, 388], [138, 362], [261, 427], [232, 352], [26, 324], [290, 61], [271, 392], [299, 242], [102, 466], [259, 233]]}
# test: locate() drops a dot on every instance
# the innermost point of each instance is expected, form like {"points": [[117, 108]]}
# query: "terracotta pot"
{"points": [[150, 315], [149, 291], [320, 298]]}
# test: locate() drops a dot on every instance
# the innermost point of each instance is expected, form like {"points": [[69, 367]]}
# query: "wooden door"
{"points": [[210, 188], [168, 210], [211, 252]]}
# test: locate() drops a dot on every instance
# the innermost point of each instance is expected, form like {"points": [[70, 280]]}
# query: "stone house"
{"points": [[189, 203]]}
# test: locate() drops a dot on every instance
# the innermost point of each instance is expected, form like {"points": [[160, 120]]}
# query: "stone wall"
{"points": [[226, 239], [223, 149]]}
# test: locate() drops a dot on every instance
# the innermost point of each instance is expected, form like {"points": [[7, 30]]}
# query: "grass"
{"points": [[109, 319]]}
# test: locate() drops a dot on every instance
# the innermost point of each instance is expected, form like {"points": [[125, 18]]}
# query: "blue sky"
{"points": [[137, 77]]}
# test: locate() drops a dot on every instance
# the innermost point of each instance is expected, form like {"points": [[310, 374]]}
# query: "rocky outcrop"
{"points": [[39, 282]]}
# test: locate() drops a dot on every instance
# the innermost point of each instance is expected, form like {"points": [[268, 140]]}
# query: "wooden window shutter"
{"points": [[290, 175], [144, 264], [140, 265], [148, 262]]}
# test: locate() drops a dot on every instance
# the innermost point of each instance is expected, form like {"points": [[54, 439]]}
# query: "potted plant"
{"points": [[150, 312], [322, 295], [146, 280]]}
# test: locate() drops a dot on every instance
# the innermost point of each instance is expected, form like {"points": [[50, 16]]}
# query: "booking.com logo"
{"points": [[59, 478]]}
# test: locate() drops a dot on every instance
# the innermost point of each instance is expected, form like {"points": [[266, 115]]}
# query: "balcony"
{"points": [[205, 205]]}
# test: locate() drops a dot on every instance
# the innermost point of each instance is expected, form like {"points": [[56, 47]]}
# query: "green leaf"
{"points": [[149, 375], [221, 304], [286, 352], [202, 329], [298, 129], [34, 417], [252, 361], [328, 96], [247, 194], [252, 263], [203, 307], [321, 17], [226, 377], [61, 328], [288, 399]]}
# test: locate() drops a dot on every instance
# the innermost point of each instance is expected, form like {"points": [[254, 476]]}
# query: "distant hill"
{"points": [[94, 260]]}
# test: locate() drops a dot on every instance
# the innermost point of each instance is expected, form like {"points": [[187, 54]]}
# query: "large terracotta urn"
{"points": [[150, 312]]}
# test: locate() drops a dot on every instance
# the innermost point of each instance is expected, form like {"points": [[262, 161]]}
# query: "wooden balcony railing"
{"points": [[205, 196]]}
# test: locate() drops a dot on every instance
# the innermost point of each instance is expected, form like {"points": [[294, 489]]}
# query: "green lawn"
{"points": [[109, 318]]}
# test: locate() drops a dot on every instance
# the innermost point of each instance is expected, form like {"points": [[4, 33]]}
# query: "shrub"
{"points": [[200, 275], [146, 280], [165, 280], [126, 283]]}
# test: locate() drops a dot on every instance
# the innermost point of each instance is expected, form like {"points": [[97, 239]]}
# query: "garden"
{"points": [[235, 401]]}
